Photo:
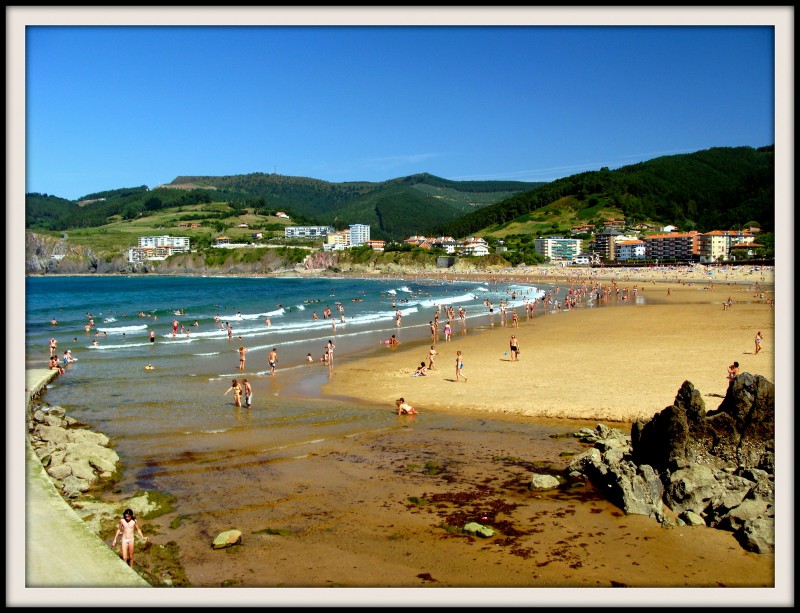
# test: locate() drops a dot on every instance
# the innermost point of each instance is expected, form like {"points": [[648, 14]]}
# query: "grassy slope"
{"points": [[119, 235]]}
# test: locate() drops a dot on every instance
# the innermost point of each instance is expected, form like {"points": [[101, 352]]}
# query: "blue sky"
{"points": [[110, 107]]}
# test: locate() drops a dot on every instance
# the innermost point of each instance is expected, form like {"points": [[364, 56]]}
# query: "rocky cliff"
{"points": [[48, 255]]}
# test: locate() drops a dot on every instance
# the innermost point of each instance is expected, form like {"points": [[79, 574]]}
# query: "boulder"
{"points": [[543, 482], [229, 538], [757, 535], [476, 529], [74, 486], [692, 519]]}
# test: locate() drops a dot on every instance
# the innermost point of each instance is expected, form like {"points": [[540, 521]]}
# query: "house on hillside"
{"points": [[475, 248]]}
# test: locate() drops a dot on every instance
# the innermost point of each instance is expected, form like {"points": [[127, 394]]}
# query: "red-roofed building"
{"points": [[673, 246]]}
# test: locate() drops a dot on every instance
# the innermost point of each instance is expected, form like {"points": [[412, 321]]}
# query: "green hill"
{"points": [[715, 189], [392, 208]]}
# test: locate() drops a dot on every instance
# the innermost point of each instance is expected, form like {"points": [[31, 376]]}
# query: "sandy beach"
{"points": [[384, 509], [378, 510], [616, 364]]}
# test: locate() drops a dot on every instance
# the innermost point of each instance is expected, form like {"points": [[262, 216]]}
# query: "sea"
{"points": [[159, 417]]}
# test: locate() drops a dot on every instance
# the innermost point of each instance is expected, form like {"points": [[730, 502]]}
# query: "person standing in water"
{"points": [[247, 391], [126, 527], [272, 360], [237, 393]]}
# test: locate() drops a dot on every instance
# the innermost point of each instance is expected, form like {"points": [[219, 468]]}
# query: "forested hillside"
{"points": [[393, 208], [718, 188]]}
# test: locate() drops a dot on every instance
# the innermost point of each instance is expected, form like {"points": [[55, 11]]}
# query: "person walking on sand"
{"points": [[432, 357], [447, 332], [460, 367], [247, 390], [272, 360], [513, 345], [242, 351], [759, 338], [237, 393], [126, 527], [403, 408]]}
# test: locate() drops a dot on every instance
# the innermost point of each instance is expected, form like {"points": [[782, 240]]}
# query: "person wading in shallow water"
{"points": [[237, 393]]}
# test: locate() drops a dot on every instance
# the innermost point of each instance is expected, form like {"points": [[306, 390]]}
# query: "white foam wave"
{"points": [[122, 329]]}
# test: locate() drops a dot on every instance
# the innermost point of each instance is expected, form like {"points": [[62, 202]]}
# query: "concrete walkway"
{"points": [[60, 549]]}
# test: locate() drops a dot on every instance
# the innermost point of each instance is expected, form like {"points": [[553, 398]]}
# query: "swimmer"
{"points": [[149, 367]]}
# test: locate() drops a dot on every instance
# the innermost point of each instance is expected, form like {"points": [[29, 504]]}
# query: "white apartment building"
{"points": [[158, 248], [164, 241], [558, 248], [307, 231], [715, 246], [630, 250], [359, 234]]}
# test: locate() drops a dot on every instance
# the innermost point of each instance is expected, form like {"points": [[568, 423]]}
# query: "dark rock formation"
{"points": [[715, 468], [741, 432]]}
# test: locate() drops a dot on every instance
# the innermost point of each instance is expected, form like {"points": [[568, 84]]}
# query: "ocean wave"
{"points": [[122, 329]]}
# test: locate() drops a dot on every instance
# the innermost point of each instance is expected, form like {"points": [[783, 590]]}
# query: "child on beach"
{"points": [[421, 371], [403, 408], [126, 528]]}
